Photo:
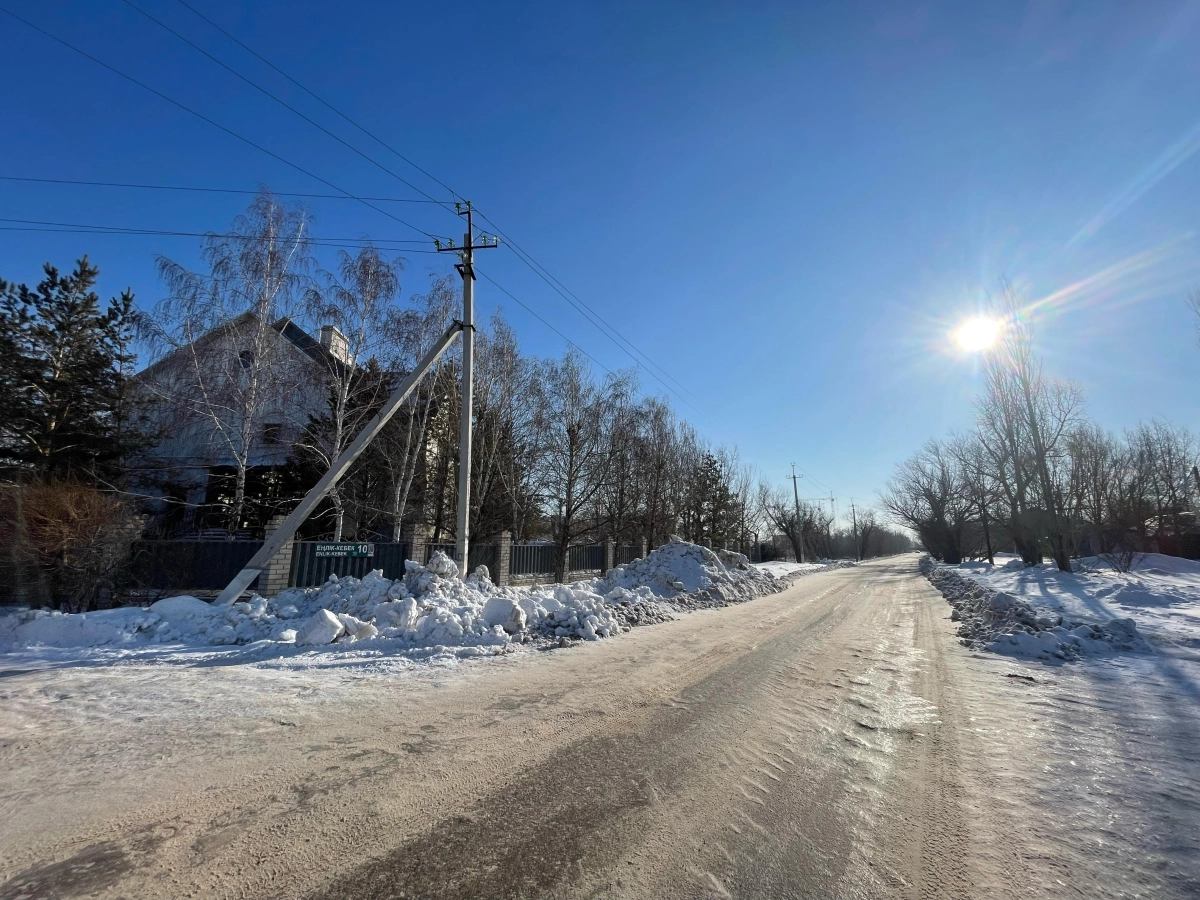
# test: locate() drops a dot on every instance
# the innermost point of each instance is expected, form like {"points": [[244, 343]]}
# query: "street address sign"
{"points": [[343, 549]]}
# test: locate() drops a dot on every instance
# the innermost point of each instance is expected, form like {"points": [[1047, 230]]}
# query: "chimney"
{"points": [[335, 342]]}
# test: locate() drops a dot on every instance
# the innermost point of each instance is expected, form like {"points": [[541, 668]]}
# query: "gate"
{"points": [[310, 569]]}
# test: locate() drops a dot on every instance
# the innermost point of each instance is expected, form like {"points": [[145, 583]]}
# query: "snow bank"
{"points": [[1010, 624], [430, 607]]}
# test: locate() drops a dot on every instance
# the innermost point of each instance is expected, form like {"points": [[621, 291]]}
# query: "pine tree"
{"points": [[64, 362]]}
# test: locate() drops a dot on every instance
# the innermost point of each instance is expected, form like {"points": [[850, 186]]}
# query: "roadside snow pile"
{"points": [[430, 607], [998, 621]]}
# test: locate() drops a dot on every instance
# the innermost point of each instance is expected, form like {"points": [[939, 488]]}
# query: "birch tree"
{"points": [[222, 366]]}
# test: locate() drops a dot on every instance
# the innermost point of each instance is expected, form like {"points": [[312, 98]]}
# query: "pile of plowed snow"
{"points": [[429, 607], [997, 621]]}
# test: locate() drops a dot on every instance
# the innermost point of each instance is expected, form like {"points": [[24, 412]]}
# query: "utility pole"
{"points": [[466, 268], [799, 532], [854, 519]]}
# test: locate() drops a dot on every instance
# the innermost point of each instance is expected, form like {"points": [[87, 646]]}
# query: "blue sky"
{"points": [[786, 206]]}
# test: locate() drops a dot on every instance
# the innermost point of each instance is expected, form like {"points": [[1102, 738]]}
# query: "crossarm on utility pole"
{"points": [[305, 508]]}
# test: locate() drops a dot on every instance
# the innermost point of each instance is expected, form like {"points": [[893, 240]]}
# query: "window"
{"points": [[272, 433], [246, 357]]}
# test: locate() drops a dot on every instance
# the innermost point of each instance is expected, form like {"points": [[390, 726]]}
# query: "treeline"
{"points": [[243, 407], [1037, 477]]}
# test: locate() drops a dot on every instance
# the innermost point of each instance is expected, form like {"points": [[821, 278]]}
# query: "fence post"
{"points": [[416, 536], [644, 550], [279, 569], [610, 555], [502, 575]]}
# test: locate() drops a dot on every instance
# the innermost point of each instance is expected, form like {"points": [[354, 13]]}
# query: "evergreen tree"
{"points": [[64, 362]]}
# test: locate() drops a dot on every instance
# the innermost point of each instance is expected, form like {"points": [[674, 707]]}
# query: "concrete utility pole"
{"points": [[854, 519], [796, 497], [466, 268], [340, 466]]}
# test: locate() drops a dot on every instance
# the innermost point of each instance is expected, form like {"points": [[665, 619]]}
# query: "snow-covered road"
{"points": [[831, 740]]}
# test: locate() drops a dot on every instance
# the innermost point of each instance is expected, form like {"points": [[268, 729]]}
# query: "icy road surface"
{"points": [[830, 741]]}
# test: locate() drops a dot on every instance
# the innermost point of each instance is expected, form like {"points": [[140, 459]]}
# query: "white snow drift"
{"points": [[1040, 612], [430, 607]]}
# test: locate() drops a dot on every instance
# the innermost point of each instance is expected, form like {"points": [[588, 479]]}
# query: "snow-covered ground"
{"points": [[429, 615], [1160, 598], [783, 567]]}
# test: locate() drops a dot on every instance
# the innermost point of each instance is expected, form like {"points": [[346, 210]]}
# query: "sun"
{"points": [[977, 334]]}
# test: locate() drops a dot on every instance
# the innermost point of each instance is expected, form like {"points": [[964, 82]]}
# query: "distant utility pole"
{"points": [[466, 268], [799, 531], [854, 519]]}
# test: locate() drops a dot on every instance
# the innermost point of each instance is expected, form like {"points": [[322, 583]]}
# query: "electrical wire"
{"points": [[103, 228], [71, 228], [278, 100], [320, 100], [209, 121], [505, 291], [213, 190], [586, 311], [589, 314]]}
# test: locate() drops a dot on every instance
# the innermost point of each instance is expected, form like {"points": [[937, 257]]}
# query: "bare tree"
{"points": [[400, 447], [1036, 415], [222, 364], [578, 452], [930, 495], [356, 311]]}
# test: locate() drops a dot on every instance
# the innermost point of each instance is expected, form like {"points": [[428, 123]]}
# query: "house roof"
{"points": [[286, 328]]}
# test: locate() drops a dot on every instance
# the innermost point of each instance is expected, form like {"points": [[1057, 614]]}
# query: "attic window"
{"points": [[272, 433], [246, 358]]}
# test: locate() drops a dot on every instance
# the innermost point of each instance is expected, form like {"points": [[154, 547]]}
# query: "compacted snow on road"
{"points": [[833, 739]]}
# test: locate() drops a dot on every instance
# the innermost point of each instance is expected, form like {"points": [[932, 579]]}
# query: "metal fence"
{"points": [[628, 554], [478, 555], [484, 555], [430, 549], [310, 570], [189, 565], [532, 559], [585, 558]]}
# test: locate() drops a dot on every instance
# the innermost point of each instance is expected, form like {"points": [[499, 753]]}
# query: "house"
{"points": [[235, 399]]}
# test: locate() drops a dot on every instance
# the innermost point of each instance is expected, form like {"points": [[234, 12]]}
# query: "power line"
{"points": [[281, 102], [586, 311], [69, 228], [321, 100], [214, 190], [103, 228], [206, 119], [597, 321], [572, 298], [544, 322]]}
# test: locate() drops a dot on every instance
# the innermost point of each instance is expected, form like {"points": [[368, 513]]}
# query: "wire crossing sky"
{"points": [[781, 212]]}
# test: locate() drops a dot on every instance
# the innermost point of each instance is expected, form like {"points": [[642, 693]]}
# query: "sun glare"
{"points": [[977, 334]]}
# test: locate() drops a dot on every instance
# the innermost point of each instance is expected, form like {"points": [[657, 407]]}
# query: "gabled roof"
{"points": [[287, 329]]}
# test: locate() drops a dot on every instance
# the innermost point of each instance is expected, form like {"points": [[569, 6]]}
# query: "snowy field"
{"points": [[375, 625], [1160, 596]]}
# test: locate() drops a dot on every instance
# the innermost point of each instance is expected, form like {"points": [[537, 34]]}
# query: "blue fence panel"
{"points": [[189, 565], [585, 558], [532, 559], [628, 554]]}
